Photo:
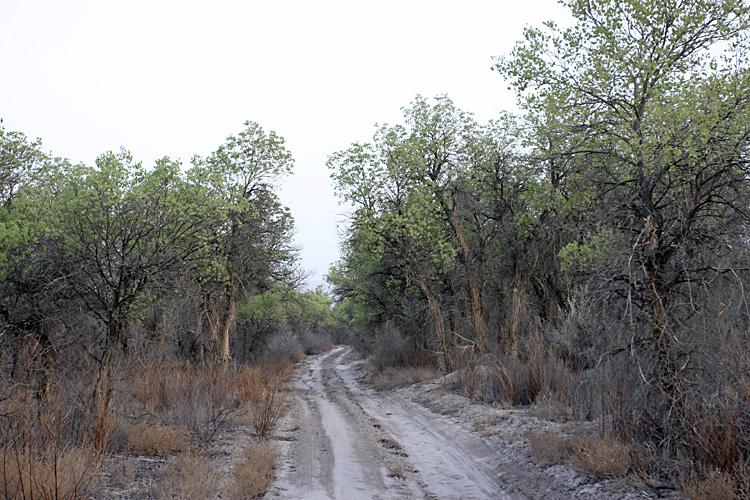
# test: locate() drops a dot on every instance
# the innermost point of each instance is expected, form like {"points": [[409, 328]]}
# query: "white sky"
{"points": [[174, 78]]}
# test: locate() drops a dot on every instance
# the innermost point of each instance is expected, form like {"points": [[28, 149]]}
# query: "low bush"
{"points": [[594, 455], [549, 448], [254, 474], [35, 464], [188, 477], [267, 408], [601, 456], [158, 439]]}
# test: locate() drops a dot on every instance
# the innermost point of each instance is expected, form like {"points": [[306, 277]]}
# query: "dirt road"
{"points": [[346, 442]]}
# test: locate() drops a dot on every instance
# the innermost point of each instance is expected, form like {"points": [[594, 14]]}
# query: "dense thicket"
{"points": [[608, 226], [112, 260]]}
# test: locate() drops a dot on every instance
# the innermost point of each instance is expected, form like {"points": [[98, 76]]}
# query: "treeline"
{"points": [[121, 261], [595, 249]]}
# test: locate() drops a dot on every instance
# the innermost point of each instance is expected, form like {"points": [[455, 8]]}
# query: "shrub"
{"points": [[595, 455], [28, 472], [254, 474], [157, 439], [267, 408], [601, 456], [549, 447], [188, 477]]}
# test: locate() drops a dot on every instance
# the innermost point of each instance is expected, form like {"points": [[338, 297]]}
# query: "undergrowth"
{"points": [[53, 444]]}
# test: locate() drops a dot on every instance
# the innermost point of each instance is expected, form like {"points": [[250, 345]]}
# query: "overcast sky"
{"points": [[174, 78]]}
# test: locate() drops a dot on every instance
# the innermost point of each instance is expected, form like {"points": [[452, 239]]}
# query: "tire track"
{"points": [[350, 443]]}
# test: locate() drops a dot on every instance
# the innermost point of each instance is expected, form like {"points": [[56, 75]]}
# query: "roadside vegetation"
{"points": [[143, 313], [588, 257]]}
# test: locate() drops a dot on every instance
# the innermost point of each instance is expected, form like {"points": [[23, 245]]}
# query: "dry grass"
{"points": [[28, 473], [254, 474], [52, 444], [46, 450], [260, 389], [267, 409], [392, 378], [550, 448], [157, 439], [601, 456], [188, 477], [208, 397], [593, 455], [717, 485], [549, 408]]}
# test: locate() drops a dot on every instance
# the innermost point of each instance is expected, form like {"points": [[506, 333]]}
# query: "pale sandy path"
{"points": [[346, 442]]}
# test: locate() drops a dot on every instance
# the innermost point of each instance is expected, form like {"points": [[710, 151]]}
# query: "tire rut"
{"points": [[350, 443]]}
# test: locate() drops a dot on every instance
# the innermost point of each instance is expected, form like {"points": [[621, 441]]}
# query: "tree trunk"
{"points": [[102, 428], [437, 316], [512, 329], [46, 366], [227, 321], [475, 288], [667, 365], [511, 334]]}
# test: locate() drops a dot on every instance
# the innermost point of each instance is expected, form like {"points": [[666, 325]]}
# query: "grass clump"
{"points": [[593, 455], [254, 474], [188, 477], [393, 378], [155, 440]]}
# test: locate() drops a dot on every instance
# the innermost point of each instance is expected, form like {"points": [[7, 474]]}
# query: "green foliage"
{"points": [[118, 237], [596, 251], [22, 164], [277, 308], [252, 238]]}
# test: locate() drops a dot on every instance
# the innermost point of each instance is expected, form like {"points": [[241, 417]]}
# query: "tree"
{"points": [[253, 241], [636, 97], [398, 233], [34, 289], [421, 193], [20, 164]]}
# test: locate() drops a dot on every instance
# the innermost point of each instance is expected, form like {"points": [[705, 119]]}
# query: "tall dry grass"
{"points": [[43, 456], [697, 440], [205, 398], [53, 444]]}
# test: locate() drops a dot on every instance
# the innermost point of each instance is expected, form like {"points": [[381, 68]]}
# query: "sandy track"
{"points": [[343, 441]]}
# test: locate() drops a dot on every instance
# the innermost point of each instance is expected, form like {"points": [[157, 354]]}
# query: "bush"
{"points": [[595, 455], [254, 474], [391, 378], [188, 477], [30, 470], [157, 439], [283, 346]]}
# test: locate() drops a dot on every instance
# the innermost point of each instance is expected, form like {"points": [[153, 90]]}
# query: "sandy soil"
{"points": [[344, 441]]}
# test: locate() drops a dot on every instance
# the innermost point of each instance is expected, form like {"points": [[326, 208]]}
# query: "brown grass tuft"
{"points": [[549, 447], [65, 475], [188, 477], [601, 456], [392, 378], [254, 474], [157, 439], [594, 455], [717, 485]]}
